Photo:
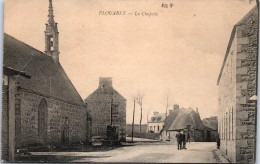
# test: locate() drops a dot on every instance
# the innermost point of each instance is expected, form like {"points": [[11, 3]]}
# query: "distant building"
{"points": [[155, 124], [211, 123], [47, 108], [186, 120], [237, 84], [106, 107]]}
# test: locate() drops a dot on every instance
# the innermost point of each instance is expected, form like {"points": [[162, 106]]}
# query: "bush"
{"points": [[154, 136]]}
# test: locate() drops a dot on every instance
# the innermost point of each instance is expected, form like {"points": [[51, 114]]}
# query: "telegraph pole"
{"points": [[133, 122]]}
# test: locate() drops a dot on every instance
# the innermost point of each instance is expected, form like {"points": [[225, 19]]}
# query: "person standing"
{"points": [[188, 137], [183, 141], [179, 140], [218, 140]]}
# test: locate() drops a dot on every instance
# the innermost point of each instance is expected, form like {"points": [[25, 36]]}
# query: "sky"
{"points": [[180, 51]]}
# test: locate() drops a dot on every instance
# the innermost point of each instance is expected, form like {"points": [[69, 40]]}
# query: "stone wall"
{"points": [[119, 119], [237, 85], [227, 104], [213, 135], [58, 112], [99, 108], [246, 88], [5, 131], [196, 135]]}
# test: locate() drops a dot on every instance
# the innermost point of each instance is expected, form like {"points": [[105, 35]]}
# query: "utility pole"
{"points": [[133, 122]]}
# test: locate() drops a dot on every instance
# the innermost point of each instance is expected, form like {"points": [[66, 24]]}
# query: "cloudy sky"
{"points": [[179, 51]]}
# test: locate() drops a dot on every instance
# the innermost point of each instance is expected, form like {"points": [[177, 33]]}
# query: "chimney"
{"points": [[176, 107], [105, 82], [155, 113], [197, 110]]}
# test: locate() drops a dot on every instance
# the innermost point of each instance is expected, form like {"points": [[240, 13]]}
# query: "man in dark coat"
{"points": [[218, 141], [179, 140], [183, 141]]}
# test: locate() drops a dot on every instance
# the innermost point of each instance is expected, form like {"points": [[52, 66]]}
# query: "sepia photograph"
{"points": [[129, 81]]}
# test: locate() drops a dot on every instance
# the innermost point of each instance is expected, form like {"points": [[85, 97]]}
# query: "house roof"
{"points": [[47, 77], [211, 122], [160, 117], [107, 91], [180, 118], [254, 10]]}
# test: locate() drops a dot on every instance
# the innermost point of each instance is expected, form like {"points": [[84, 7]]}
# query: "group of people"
{"points": [[181, 140]]}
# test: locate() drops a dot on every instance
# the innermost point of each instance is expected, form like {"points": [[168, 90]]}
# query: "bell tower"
{"points": [[52, 36]]}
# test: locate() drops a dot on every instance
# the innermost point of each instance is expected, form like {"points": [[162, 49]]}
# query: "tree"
{"points": [[148, 114], [166, 102], [139, 100]]}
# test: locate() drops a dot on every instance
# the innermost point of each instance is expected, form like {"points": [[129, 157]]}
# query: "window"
{"points": [[221, 128], [232, 137], [229, 124], [224, 129], [158, 128], [226, 124], [114, 109], [231, 64], [42, 119], [50, 42]]}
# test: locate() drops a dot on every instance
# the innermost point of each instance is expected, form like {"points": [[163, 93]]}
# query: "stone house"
{"points": [[237, 83], [187, 120], [106, 107], [156, 123], [48, 108], [211, 123]]}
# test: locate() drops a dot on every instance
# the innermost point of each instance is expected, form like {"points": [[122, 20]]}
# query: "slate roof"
{"points": [[253, 11], [8, 71], [179, 119], [211, 122], [47, 77]]}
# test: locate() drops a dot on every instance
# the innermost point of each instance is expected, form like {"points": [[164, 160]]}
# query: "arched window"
{"points": [[42, 119]]}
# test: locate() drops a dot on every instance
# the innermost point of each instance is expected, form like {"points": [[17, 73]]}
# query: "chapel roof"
{"points": [[47, 77]]}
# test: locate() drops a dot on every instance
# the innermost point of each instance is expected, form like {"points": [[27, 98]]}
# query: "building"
{"points": [[8, 112], [156, 123], [237, 83], [187, 120], [48, 109], [211, 123], [106, 108]]}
